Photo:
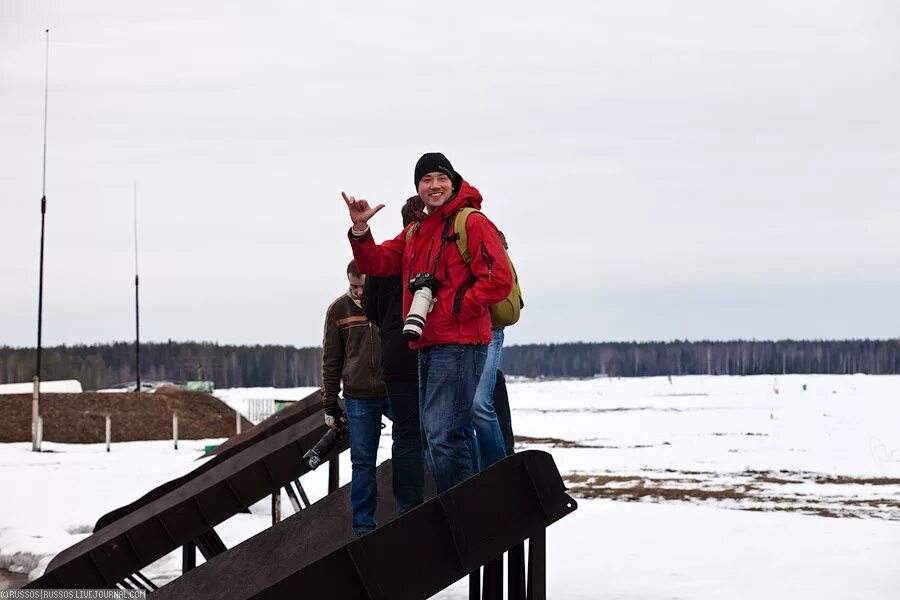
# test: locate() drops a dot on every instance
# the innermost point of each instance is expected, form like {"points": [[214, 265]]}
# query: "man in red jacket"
{"points": [[453, 342]]}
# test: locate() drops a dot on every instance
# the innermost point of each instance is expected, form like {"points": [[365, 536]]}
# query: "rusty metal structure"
{"points": [[464, 531]]}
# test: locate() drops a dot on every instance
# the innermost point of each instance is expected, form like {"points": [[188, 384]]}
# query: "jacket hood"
{"points": [[467, 196]]}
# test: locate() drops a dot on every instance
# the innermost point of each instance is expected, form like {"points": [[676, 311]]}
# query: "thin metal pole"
{"points": [[295, 502], [302, 493], [137, 312], [36, 398]]}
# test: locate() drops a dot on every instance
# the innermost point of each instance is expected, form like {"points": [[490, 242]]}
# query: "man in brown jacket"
{"points": [[351, 351]]}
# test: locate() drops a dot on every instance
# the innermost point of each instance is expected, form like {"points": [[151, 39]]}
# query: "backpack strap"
{"points": [[460, 235]]}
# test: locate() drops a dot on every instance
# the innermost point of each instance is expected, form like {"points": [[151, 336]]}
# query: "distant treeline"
{"points": [[106, 365], [642, 359]]}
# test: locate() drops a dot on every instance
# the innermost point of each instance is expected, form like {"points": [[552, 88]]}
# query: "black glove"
{"points": [[335, 417]]}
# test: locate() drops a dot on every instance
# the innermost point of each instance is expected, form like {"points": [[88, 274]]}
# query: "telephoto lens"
{"points": [[415, 320], [423, 287], [317, 453]]}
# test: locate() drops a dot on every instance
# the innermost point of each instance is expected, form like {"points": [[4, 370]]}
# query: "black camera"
{"points": [[423, 287], [317, 453]]}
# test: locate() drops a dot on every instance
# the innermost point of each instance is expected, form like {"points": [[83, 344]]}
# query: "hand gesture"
{"points": [[360, 211]]}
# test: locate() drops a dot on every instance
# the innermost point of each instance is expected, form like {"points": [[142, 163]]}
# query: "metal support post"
{"points": [[492, 588], [188, 557], [475, 585], [537, 566], [516, 567], [276, 507]]}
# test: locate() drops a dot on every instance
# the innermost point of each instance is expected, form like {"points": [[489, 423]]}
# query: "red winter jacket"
{"points": [[486, 280]]}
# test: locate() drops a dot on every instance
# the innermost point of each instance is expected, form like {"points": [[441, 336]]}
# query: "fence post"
{"points": [[175, 429], [35, 414], [40, 432], [108, 431], [237, 417]]}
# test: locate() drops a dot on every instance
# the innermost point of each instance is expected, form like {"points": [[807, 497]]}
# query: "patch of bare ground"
{"points": [[81, 418], [750, 490], [661, 489], [621, 409], [550, 441], [775, 480], [808, 510], [561, 443], [858, 480]]}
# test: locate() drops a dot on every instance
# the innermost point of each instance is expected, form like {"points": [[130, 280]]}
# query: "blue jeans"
{"points": [[448, 376], [365, 430], [488, 435]]}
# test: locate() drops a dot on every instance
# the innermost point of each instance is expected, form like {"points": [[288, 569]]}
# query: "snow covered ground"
{"points": [[698, 487]]}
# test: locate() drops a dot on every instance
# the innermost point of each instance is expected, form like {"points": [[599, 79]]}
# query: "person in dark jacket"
{"points": [[351, 350], [383, 303]]}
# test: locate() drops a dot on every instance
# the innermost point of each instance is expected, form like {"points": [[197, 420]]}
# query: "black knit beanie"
{"points": [[434, 162]]}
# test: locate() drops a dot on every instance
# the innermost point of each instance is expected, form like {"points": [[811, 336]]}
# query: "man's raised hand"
{"points": [[360, 211]]}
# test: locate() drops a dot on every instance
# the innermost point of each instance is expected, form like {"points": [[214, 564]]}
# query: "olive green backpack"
{"points": [[507, 311]]}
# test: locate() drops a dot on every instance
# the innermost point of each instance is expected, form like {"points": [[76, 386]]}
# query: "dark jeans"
{"points": [[448, 376], [408, 459], [501, 406], [365, 430]]}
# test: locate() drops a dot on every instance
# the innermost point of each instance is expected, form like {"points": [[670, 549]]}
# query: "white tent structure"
{"points": [[64, 386]]}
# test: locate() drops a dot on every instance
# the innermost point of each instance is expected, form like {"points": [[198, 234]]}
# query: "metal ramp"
{"points": [[313, 553], [308, 406], [185, 511]]}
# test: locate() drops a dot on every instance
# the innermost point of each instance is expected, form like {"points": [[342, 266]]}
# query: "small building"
{"points": [[63, 386]]}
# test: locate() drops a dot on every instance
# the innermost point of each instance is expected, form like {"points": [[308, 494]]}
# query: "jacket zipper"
{"points": [[487, 259]]}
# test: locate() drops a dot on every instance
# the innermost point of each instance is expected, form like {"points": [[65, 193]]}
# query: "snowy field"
{"points": [[698, 487]]}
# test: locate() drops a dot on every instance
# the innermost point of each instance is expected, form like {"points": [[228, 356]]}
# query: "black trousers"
{"points": [[501, 407], [407, 455]]}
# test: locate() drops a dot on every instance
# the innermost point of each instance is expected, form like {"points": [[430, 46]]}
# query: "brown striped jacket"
{"points": [[351, 354]]}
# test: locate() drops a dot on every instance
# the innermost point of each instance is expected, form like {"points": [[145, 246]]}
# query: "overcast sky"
{"points": [[692, 169]]}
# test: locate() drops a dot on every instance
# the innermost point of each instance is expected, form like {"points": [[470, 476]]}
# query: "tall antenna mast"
{"points": [[137, 314], [36, 397]]}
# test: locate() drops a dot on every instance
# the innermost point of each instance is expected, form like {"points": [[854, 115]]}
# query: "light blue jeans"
{"points": [[488, 435]]}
